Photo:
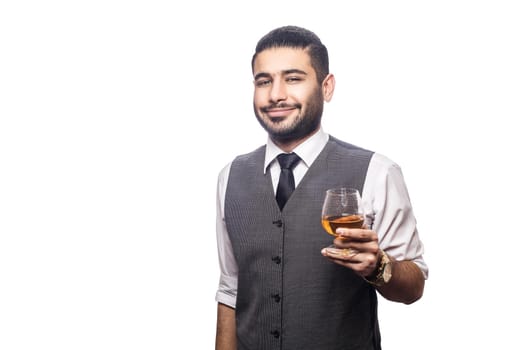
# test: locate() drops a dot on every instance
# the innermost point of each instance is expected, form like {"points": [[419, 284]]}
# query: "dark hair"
{"points": [[297, 37]]}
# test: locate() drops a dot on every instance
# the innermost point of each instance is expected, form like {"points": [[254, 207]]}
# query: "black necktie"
{"points": [[286, 185]]}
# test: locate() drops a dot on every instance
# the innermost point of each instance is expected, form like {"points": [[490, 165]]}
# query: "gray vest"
{"points": [[289, 296]]}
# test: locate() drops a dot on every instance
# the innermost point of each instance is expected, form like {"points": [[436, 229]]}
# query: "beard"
{"points": [[303, 124]]}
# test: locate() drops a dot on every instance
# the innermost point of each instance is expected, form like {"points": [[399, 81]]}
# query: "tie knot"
{"points": [[288, 160]]}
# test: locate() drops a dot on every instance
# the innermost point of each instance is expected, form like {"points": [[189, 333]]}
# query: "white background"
{"points": [[107, 219]]}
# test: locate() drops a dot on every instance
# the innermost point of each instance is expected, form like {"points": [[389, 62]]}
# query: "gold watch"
{"points": [[383, 272]]}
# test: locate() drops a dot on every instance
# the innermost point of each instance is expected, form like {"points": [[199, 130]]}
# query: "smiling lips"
{"points": [[279, 112]]}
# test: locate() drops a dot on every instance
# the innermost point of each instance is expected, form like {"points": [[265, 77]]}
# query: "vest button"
{"points": [[278, 223], [275, 333], [276, 297], [276, 259]]}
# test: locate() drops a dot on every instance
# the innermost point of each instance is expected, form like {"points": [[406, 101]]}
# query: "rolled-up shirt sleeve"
{"points": [[389, 212], [227, 290]]}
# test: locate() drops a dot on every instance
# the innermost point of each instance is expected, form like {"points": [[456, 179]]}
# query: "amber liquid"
{"points": [[331, 223]]}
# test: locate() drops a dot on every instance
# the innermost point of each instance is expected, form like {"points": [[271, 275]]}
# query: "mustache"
{"points": [[280, 105]]}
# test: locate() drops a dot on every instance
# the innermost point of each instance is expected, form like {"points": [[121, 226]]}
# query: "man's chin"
{"points": [[276, 128], [283, 135]]}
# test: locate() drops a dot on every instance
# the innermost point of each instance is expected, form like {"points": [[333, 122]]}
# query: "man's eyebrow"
{"points": [[284, 72], [262, 75], [294, 71]]}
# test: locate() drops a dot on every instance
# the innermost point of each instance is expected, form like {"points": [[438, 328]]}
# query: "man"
{"points": [[280, 287]]}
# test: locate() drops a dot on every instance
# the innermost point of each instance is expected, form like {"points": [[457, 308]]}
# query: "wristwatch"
{"points": [[383, 273]]}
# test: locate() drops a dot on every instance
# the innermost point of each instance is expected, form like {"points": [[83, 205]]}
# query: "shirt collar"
{"points": [[308, 150]]}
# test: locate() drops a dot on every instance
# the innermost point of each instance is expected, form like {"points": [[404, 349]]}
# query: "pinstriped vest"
{"points": [[290, 296]]}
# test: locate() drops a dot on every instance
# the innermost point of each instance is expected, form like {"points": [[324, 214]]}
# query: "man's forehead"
{"points": [[282, 59]]}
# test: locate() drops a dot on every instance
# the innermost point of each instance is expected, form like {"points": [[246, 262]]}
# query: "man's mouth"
{"points": [[279, 111]]}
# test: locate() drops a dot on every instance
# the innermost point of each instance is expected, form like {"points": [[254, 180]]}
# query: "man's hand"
{"points": [[357, 249]]}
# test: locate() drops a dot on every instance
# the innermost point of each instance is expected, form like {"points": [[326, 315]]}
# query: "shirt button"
{"points": [[276, 259], [276, 297], [275, 333], [278, 223]]}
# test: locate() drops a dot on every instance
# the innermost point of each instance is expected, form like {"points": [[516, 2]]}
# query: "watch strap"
{"points": [[377, 278]]}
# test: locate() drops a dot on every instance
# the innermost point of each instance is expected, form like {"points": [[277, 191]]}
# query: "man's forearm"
{"points": [[406, 285], [226, 338]]}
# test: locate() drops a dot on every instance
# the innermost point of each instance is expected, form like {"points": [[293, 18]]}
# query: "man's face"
{"points": [[288, 100]]}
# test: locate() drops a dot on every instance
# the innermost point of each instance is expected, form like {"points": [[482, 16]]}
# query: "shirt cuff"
{"points": [[422, 266], [226, 299]]}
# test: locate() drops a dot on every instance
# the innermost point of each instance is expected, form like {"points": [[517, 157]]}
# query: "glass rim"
{"points": [[342, 190]]}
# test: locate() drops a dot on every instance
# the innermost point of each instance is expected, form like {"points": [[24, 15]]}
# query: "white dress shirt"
{"points": [[386, 204]]}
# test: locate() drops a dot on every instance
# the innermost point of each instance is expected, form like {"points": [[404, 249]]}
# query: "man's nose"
{"points": [[278, 92]]}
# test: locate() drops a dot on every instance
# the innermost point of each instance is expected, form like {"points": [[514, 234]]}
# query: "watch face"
{"points": [[387, 273]]}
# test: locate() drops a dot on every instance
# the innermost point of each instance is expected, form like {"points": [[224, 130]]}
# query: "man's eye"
{"points": [[261, 83], [293, 79]]}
